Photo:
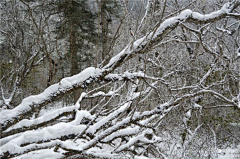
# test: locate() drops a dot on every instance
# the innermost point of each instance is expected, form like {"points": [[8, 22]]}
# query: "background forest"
{"points": [[120, 79]]}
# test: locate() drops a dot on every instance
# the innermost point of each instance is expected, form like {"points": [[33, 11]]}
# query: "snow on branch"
{"points": [[30, 124], [150, 39], [115, 126], [56, 131], [130, 76], [11, 116], [87, 76], [26, 141], [141, 137]]}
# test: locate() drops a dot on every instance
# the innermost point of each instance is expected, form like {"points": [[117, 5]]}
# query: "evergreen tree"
{"points": [[78, 28]]}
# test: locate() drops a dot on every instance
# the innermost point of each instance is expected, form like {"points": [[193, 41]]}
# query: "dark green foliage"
{"points": [[77, 26], [113, 8], [76, 16]]}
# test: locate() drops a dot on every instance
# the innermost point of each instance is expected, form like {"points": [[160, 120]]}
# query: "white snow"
{"points": [[224, 30], [68, 82], [100, 93], [133, 75], [168, 22], [7, 139], [45, 134], [100, 153], [123, 132], [188, 114], [234, 124], [14, 148], [140, 157], [127, 75], [185, 14], [114, 77], [64, 129], [197, 106], [48, 133], [116, 57], [229, 153], [203, 17], [77, 104], [148, 7], [42, 119], [92, 129], [138, 42], [9, 114], [41, 154], [79, 116], [140, 137], [63, 85]]}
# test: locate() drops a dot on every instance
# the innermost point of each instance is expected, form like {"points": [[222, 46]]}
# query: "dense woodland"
{"points": [[130, 79]]}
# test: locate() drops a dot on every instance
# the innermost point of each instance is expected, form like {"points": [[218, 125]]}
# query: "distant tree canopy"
{"points": [[78, 26]]}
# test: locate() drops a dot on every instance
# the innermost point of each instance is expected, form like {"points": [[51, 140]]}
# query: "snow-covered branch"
{"points": [[132, 122]]}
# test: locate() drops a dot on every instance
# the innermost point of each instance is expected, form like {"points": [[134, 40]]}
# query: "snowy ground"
{"points": [[229, 153], [49, 154]]}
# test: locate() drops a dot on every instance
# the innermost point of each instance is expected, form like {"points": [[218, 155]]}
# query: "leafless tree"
{"points": [[167, 94]]}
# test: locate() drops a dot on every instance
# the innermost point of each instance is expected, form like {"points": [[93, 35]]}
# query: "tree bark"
{"points": [[104, 22], [73, 50]]}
